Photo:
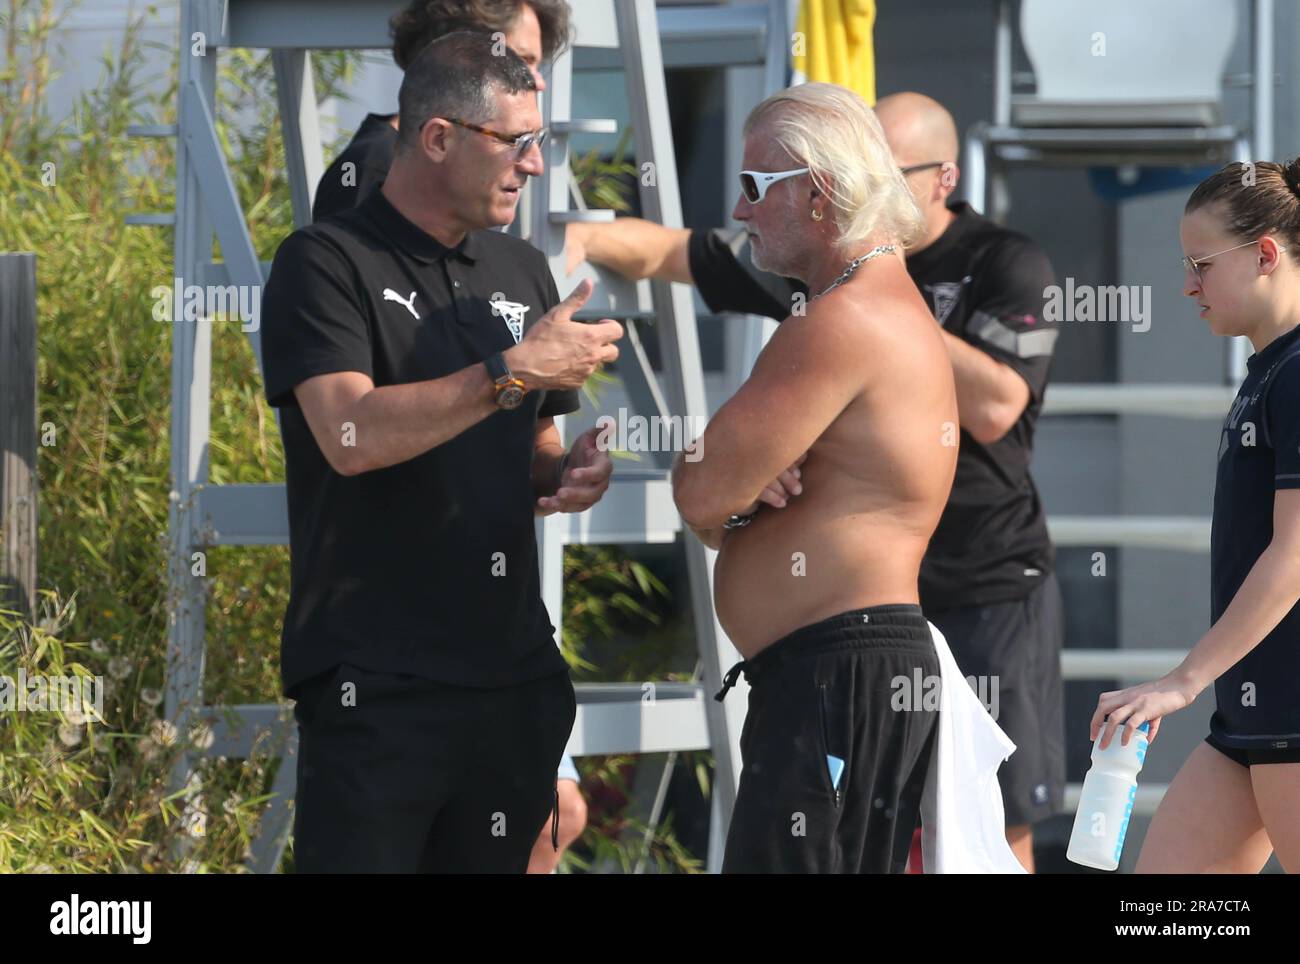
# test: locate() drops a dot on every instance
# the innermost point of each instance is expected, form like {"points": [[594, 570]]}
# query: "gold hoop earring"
{"points": [[816, 215]]}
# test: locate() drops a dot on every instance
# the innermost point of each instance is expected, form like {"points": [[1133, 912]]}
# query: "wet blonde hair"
{"points": [[832, 131]]}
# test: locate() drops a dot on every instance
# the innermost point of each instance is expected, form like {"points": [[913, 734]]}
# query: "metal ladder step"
{"points": [[562, 128], [1180, 401], [151, 130], [589, 216], [155, 220]]}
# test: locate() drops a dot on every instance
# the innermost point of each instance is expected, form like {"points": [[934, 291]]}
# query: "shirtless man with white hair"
{"points": [[853, 398], [987, 580]]}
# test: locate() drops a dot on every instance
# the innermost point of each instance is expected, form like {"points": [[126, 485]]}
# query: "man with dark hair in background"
{"points": [[536, 30]]}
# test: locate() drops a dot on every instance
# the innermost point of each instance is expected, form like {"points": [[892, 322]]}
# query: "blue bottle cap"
{"points": [[1145, 728]]}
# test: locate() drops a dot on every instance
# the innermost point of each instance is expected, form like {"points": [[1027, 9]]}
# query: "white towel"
{"points": [[963, 827]]}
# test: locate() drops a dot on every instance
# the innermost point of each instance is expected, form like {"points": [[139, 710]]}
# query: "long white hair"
{"points": [[832, 131]]}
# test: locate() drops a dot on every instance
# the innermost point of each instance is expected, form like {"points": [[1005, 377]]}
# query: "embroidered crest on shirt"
{"points": [[407, 303], [512, 312], [945, 295]]}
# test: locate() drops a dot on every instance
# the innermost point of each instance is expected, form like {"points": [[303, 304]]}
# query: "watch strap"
{"points": [[497, 367]]}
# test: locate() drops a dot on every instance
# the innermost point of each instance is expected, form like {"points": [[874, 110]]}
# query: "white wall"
{"points": [[89, 28]]}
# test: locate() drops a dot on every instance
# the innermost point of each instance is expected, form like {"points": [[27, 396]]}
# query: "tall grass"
{"points": [[80, 793]]}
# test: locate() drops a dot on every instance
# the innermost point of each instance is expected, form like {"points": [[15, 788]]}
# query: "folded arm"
{"points": [[805, 377], [991, 395]]}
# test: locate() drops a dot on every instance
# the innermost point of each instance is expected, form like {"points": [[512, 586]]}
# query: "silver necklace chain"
{"points": [[857, 263]]}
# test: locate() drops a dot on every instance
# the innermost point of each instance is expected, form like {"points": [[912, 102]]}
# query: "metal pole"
{"points": [[679, 340], [18, 481], [191, 360], [1002, 65], [300, 127], [1262, 88]]}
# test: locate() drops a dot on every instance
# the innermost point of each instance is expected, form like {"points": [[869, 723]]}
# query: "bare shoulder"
{"points": [[873, 324]]}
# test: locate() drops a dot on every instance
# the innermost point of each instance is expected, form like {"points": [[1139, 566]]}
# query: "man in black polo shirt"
{"points": [[536, 30], [418, 360], [986, 580]]}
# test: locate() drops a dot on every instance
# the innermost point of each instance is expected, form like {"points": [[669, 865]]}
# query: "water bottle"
{"points": [[1106, 803]]}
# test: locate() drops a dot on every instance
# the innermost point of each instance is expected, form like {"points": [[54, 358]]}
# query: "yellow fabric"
{"points": [[833, 44]]}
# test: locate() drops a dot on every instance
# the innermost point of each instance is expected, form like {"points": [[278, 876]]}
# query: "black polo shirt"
{"points": [[357, 171], [428, 567], [984, 284], [1258, 698]]}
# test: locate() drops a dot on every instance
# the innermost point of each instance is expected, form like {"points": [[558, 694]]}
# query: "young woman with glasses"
{"points": [[1236, 798]]}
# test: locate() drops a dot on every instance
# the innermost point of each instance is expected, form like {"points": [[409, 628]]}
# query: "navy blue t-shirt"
{"points": [[1258, 699]]}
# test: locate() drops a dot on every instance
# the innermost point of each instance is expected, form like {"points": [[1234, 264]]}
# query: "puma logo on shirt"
{"points": [[407, 303]]}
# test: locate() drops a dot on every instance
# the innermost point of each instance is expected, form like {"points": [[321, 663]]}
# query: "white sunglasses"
{"points": [[754, 184]]}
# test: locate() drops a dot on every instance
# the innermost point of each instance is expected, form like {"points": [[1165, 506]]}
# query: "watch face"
{"points": [[510, 396]]}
